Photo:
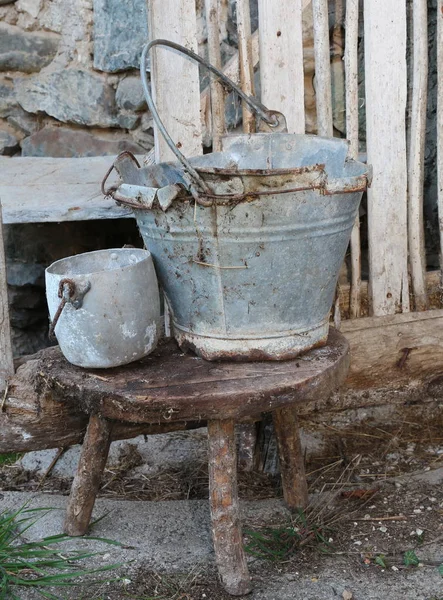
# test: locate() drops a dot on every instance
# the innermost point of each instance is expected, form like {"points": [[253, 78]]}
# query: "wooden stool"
{"points": [[169, 386]]}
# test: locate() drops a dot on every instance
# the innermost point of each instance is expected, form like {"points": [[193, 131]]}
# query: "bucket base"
{"points": [[252, 349]]}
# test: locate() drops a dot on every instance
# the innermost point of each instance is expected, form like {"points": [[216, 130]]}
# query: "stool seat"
{"points": [[170, 386]]}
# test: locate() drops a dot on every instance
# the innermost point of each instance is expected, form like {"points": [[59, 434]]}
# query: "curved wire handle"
{"points": [[269, 116]]}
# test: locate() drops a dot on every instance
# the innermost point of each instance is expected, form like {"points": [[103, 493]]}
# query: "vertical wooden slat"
{"points": [[246, 60], [6, 359], [281, 60], [440, 125], [351, 74], [217, 93], [322, 68], [386, 88], [175, 80], [416, 234]]}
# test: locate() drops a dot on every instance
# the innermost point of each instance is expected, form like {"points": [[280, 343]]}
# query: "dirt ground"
{"points": [[377, 507]]}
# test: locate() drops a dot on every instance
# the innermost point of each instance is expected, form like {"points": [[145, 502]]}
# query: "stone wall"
{"points": [[68, 79]]}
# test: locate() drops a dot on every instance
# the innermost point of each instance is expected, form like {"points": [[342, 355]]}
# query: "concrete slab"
{"points": [[174, 537]]}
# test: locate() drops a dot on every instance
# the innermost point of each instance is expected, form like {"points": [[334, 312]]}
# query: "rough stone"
{"points": [[71, 96], [144, 139], [8, 99], [32, 7], [70, 143], [25, 51], [8, 143], [127, 120], [23, 122], [129, 95], [22, 274], [120, 30], [3, 2]]}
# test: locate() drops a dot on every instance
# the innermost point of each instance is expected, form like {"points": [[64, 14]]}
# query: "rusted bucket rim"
{"points": [[260, 172]]}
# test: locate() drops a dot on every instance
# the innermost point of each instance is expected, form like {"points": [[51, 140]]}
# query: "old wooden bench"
{"points": [[170, 386]]}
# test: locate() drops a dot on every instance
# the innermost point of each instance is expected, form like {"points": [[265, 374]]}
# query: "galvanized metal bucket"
{"points": [[104, 306], [248, 242]]}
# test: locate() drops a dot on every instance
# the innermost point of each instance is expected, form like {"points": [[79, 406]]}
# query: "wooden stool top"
{"points": [[169, 385]]}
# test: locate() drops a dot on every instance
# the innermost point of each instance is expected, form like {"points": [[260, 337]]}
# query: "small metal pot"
{"points": [[104, 306]]}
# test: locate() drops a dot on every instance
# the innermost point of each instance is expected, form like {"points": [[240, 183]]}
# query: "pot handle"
{"points": [[272, 118]]}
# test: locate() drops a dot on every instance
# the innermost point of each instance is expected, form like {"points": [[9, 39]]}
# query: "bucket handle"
{"points": [[68, 293], [271, 117]]}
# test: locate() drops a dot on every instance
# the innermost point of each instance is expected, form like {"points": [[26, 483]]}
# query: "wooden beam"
{"points": [[322, 68], [43, 190], [6, 360], [395, 350], [416, 158], [385, 62], [281, 60], [175, 80]]}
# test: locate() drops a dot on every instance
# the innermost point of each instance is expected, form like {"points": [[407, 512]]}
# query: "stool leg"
{"points": [[295, 488], [88, 477], [225, 514]]}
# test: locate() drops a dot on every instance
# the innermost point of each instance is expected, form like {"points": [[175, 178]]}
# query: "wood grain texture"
{"points": [[225, 512], [217, 92], [168, 386], [416, 164], [39, 190], [31, 421], [385, 68], [175, 80], [351, 86], [292, 464], [87, 479], [246, 61], [281, 60], [322, 67], [395, 350], [440, 125], [6, 360], [393, 359]]}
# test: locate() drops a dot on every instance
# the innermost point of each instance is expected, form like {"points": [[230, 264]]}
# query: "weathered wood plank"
{"points": [[351, 77], [175, 80], [386, 76], [322, 67], [416, 164], [281, 60], [217, 92], [395, 350], [6, 357], [246, 61], [37, 190], [440, 125]]}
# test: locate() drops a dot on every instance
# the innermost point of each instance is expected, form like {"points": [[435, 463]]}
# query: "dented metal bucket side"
{"points": [[255, 280]]}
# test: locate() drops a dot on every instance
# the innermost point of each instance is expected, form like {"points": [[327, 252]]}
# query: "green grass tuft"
{"points": [[39, 565], [280, 543]]}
